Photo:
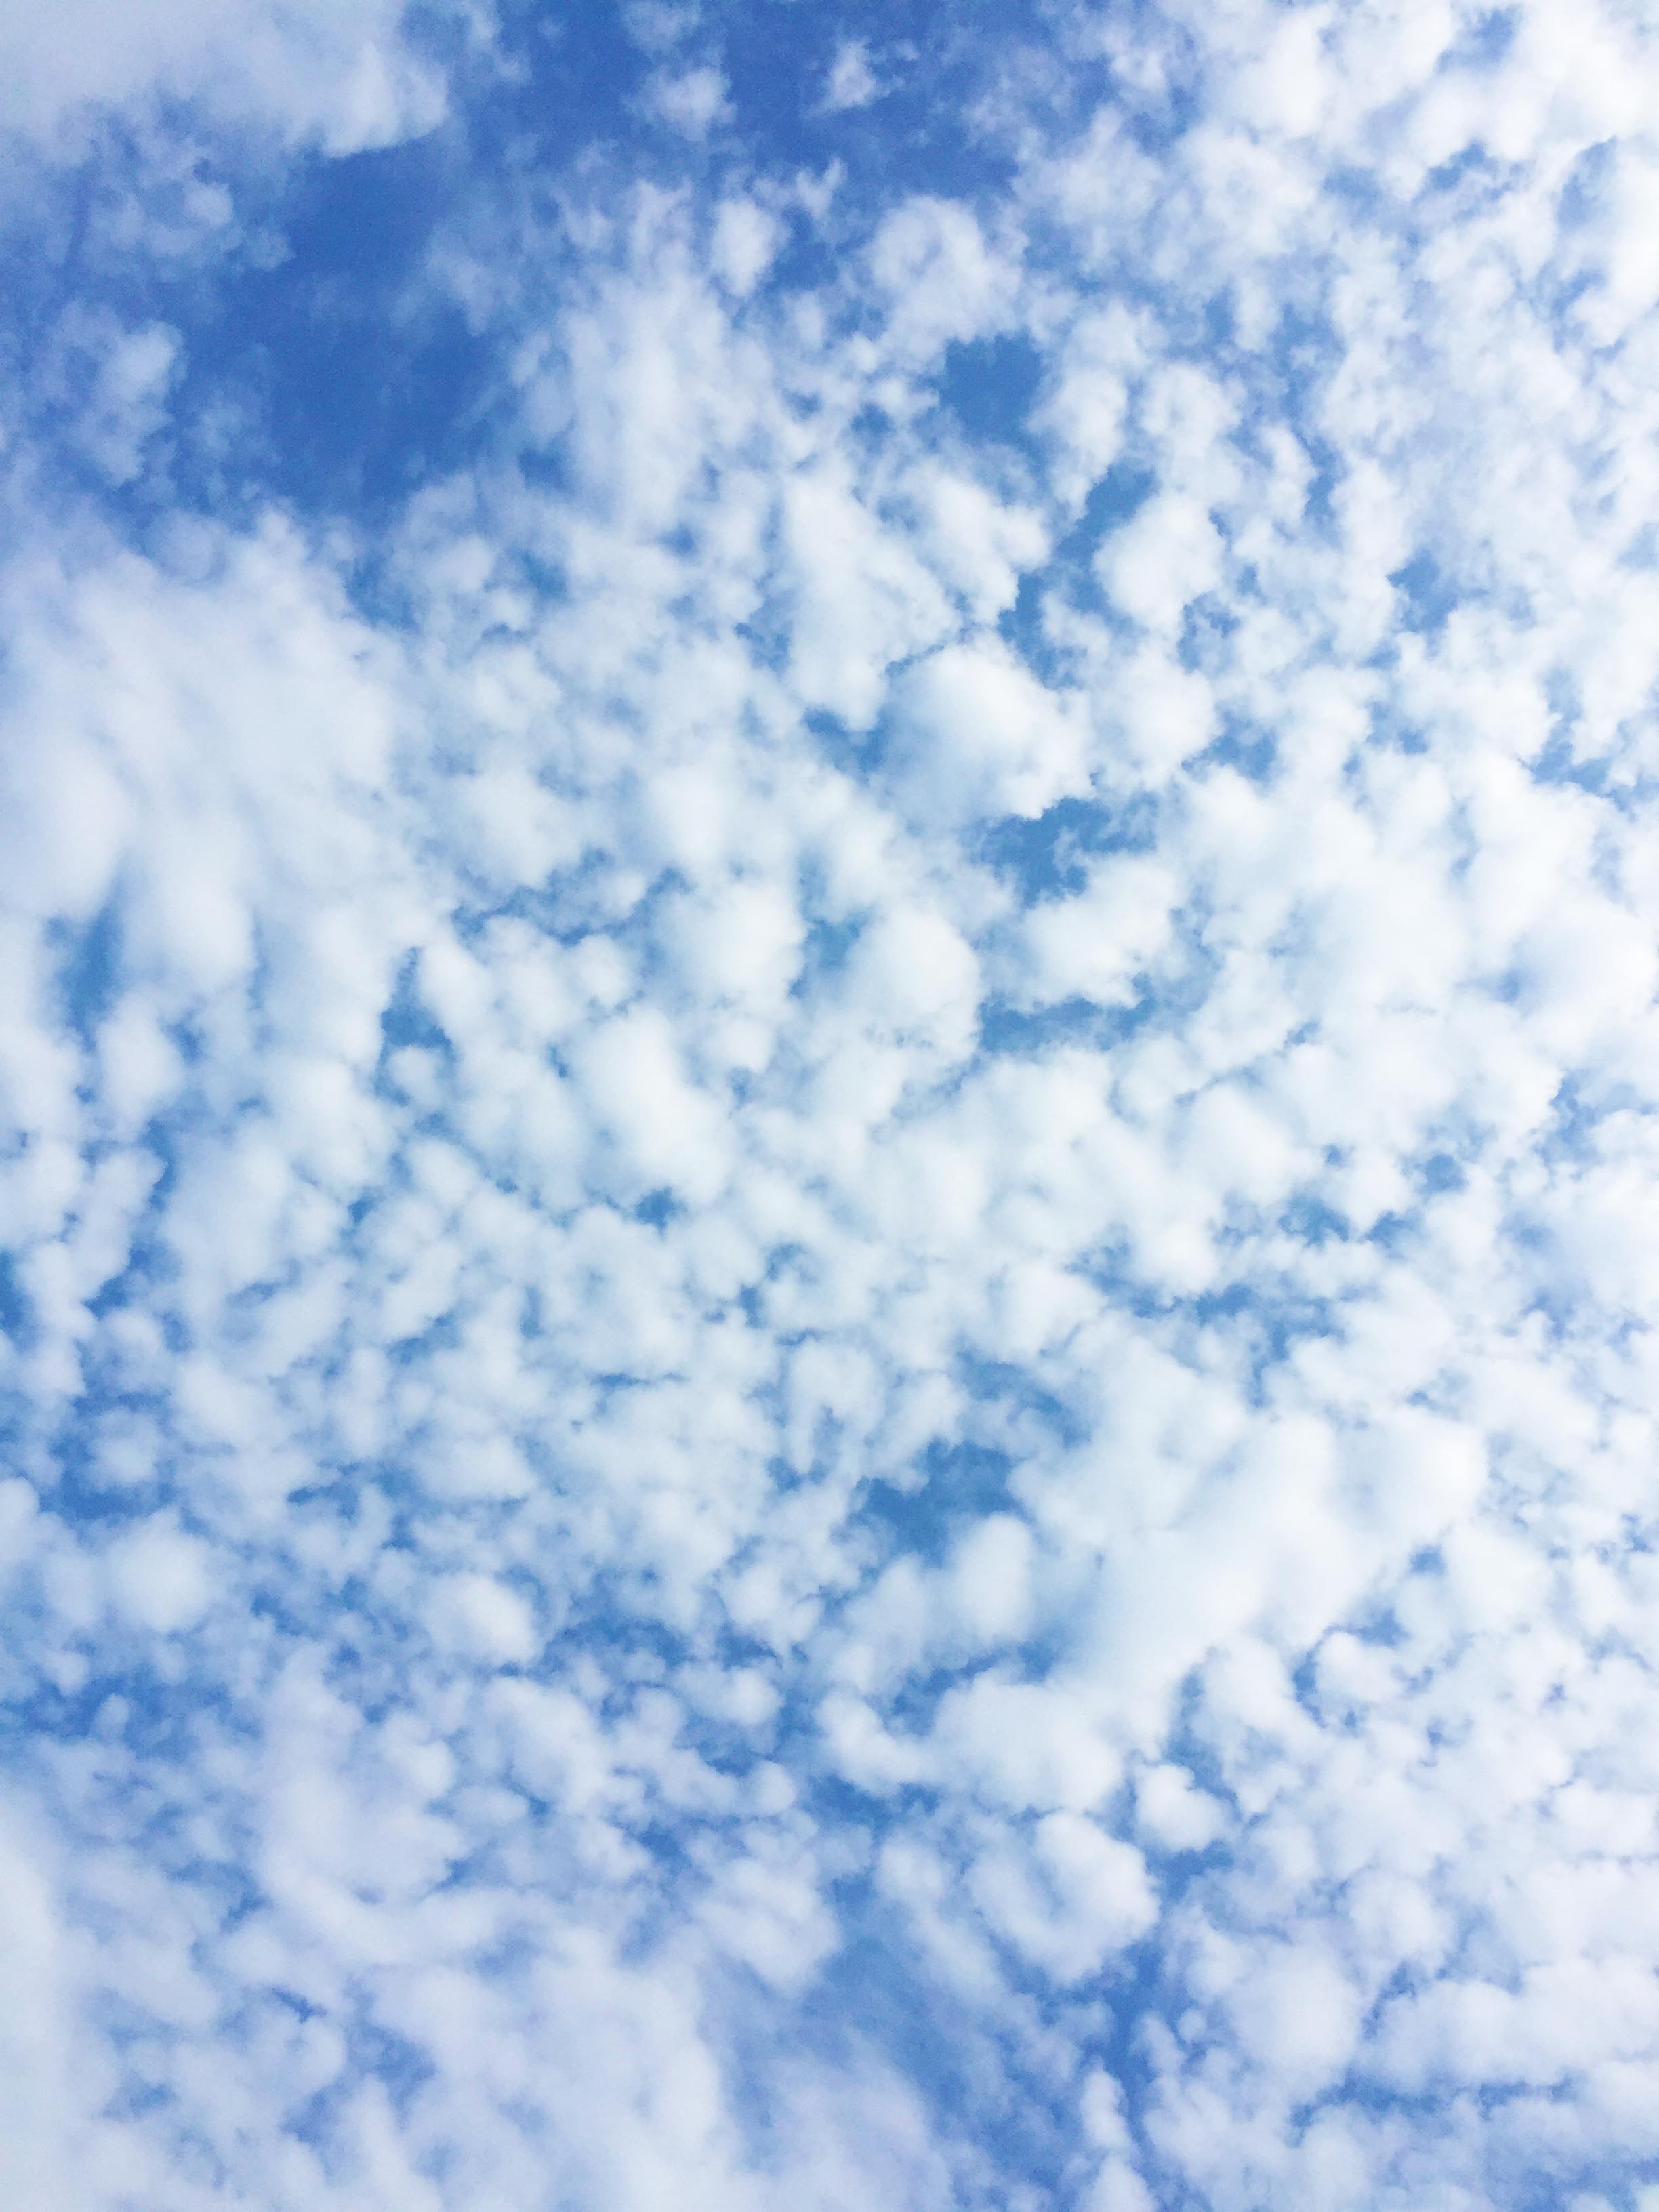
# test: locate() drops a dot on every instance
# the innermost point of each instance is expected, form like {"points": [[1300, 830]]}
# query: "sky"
{"points": [[829, 1099]]}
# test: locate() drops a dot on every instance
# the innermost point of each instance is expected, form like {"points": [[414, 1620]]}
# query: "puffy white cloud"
{"points": [[485, 1619], [851, 81], [162, 1578], [692, 103], [943, 277], [746, 240], [345, 76], [1077, 1898], [1163, 559], [664, 1129], [987, 739]]}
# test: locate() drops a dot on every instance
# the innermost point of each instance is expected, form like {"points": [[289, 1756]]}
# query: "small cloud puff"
{"points": [[159, 1577], [654, 25], [851, 81], [692, 103]]}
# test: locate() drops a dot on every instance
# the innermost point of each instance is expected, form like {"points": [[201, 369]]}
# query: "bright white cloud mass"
{"points": [[831, 1106]]}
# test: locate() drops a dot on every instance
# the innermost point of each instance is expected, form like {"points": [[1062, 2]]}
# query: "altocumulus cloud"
{"points": [[830, 1208]]}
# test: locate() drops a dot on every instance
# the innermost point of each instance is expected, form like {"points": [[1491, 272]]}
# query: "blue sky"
{"points": [[829, 1063]]}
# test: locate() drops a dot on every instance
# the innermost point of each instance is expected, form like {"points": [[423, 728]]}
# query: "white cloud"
{"points": [[485, 1618], [987, 740], [655, 25], [851, 81], [343, 76], [117, 382], [161, 1578], [1175, 1814], [1162, 561], [791, 1287], [664, 1129], [942, 276], [692, 103], [45, 2106], [746, 238]]}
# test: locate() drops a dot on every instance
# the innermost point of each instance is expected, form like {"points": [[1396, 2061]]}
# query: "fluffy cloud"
{"points": [[346, 78], [829, 1249]]}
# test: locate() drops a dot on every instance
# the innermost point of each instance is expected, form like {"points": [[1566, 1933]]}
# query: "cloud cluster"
{"points": [[345, 76], [829, 1273]]}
